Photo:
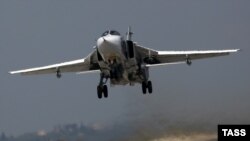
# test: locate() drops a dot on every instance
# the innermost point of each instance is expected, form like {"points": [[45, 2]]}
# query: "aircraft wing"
{"points": [[154, 57], [86, 64]]}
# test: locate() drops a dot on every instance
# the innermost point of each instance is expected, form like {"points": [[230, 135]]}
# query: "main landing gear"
{"points": [[147, 85], [102, 89]]}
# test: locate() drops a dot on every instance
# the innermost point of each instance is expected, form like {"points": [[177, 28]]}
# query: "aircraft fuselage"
{"points": [[119, 68]]}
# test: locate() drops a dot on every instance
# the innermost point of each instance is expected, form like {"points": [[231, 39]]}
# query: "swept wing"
{"points": [[86, 64], [155, 58]]}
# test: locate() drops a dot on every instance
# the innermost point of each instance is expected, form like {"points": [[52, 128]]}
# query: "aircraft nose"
{"points": [[108, 41], [100, 41]]}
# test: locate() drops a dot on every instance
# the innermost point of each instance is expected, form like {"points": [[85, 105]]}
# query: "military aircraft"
{"points": [[123, 61]]}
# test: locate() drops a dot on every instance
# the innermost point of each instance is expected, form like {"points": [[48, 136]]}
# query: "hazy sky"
{"points": [[36, 33]]}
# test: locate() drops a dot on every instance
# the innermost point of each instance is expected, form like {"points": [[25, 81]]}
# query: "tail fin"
{"points": [[129, 34]]}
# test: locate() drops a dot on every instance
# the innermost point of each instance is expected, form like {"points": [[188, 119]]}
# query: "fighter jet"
{"points": [[123, 62]]}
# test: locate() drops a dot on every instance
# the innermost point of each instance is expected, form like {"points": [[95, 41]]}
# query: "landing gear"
{"points": [[105, 91], [101, 88], [99, 92], [150, 88], [144, 87], [147, 85]]}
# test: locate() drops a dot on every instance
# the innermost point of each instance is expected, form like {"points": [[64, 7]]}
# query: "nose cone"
{"points": [[110, 40], [109, 46], [100, 41]]}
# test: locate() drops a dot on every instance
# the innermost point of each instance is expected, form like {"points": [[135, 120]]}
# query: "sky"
{"points": [[36, 33]]}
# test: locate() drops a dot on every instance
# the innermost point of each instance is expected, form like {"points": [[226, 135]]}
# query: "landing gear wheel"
{"points": [[99, 92], [101, 88], [147, 85], [144, 87], [150, 88], [105, 91]]}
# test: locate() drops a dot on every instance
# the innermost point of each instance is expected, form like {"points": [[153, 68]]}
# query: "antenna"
{"points": [[129, 33]]}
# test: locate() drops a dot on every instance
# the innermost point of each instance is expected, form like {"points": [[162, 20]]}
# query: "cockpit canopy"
{"points": [[111, 32]]}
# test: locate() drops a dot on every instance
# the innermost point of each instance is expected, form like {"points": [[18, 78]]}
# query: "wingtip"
{"points": [[11, 72], [235, 50]]}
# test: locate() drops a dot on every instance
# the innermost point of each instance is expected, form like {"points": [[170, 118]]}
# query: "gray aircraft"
{"points": [[123, 61]]}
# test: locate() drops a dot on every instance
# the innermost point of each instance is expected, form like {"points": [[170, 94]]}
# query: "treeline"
{"points": [[69, 132]]}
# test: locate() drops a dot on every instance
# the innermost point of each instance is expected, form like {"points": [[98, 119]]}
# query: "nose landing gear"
{"points": [[102, 89]]}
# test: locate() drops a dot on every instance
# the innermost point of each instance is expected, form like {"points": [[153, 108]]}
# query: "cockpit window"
{"points": [[105, 33], [111, 32]]}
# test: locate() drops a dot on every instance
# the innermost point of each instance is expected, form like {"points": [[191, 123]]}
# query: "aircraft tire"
{"points": [[144, 87], [150, 88], [99, 92], [105, 91]]}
